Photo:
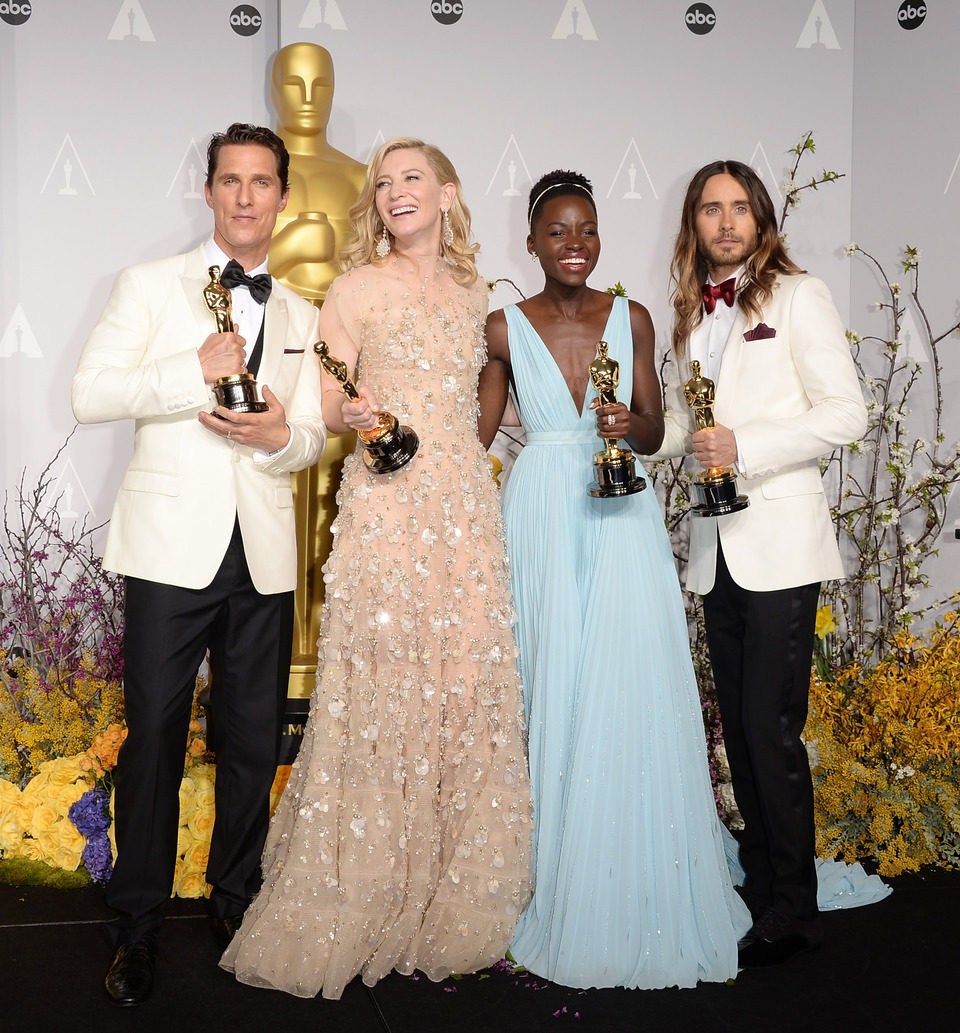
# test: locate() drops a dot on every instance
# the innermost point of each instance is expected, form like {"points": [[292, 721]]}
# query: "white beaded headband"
{"points": [[554, 186]]}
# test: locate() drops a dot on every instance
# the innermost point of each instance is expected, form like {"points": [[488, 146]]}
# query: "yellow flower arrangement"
{"points": [[35, 823], [45, 715], [885, 748]]}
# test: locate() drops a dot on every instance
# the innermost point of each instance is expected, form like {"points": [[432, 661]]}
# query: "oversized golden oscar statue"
{"points": [[324, 183]]}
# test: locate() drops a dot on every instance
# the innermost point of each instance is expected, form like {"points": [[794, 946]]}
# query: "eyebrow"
{"points": [[711, 204], [402, 172]]}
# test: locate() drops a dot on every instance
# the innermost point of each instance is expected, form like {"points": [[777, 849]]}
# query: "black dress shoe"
{"points": [[129, 979], [775, 938], [224, 929]]}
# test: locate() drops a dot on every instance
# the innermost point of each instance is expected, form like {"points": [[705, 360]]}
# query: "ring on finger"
{"points": [[611, 420], [229, 435]]}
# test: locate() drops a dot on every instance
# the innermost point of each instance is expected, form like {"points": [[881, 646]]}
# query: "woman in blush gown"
{"points": [[632, 886], [402, 840]]}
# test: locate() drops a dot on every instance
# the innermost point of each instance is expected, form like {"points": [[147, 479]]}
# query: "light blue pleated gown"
{"points": [[632, 887]]}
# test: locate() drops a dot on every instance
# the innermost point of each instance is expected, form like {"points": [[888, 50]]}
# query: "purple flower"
{"points": [[97, 857], [91, 813], [91, 816]]}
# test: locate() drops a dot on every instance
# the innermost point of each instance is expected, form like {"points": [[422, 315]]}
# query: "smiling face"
{"points": [[726, 226], [565, 238], [246, 196], [410, 198]]}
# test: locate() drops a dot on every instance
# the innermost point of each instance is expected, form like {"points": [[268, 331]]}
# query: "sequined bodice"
{"points": [[421, 349]]}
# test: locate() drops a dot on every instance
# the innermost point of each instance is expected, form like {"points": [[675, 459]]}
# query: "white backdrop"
{"points": [[106, 107]]}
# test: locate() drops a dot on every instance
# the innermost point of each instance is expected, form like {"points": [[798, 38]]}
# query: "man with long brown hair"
{"points": [[787, 393]]}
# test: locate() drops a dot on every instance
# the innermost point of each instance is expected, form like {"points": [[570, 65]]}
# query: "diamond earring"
{"points": [[447, 228], [383, 245]]}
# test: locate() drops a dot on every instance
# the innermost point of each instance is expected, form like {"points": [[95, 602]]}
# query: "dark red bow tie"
{"points": [[712, 292]]}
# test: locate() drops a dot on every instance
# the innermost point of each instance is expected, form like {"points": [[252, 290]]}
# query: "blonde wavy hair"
{"points": [[688, 269], [360, 249]]}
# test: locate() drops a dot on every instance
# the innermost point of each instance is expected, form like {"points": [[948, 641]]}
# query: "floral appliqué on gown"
{"points": [[402, 840]]}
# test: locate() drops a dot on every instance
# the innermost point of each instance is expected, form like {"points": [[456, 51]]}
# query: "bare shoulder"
{"points": [[498, 345]]}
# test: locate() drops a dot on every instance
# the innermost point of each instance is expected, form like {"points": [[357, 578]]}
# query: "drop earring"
{"points": [[447, 228], [383, 245], [533, 255]]}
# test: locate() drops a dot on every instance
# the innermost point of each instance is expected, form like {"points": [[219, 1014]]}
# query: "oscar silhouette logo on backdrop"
{"points": [[324, 184]]}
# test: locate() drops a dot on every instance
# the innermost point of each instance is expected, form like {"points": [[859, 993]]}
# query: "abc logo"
{"points": [[447, 11], [911, 15], [700, 19], [245, 20], [15, 12]]}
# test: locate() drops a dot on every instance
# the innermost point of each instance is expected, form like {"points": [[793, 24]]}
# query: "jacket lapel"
{"points": [[276, 318]]}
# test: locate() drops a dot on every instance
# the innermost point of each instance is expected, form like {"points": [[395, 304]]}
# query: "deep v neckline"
{"points": [[553, 362]]}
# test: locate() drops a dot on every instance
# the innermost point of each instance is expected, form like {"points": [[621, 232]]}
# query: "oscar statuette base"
{"points": [[716, 492], [616, 475]]}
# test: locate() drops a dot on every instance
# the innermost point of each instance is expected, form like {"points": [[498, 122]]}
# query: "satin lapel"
{"points": [[276, 318], [195, 277], [731, 351]]}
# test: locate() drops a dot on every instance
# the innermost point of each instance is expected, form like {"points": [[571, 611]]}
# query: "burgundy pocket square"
{"points": [[761, 332], [292, 351]]}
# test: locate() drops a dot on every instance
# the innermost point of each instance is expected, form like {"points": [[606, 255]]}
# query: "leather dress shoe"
{"points": [[129, 979], [775, 938], [225, 928]]}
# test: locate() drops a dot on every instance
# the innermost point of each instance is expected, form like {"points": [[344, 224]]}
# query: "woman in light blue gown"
{"points": [[631, 885]]}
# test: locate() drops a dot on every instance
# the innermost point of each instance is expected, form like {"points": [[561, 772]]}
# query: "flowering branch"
{"points": [[792, 189]]}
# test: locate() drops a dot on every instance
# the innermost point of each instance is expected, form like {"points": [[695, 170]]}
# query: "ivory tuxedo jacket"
{"points": [[789, 389], [174, 513]]}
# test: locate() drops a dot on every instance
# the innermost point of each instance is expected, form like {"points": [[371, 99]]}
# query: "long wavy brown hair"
{"points": [[688, 269], [360, 249]]}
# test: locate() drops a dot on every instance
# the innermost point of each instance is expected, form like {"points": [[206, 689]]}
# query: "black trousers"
{"points": [[761, 646], [168, 630]]}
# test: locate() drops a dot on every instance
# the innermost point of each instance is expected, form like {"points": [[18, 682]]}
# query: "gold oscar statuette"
{"points": [[238, 391], [389, 445], [614, 466], [716, 487], [315, 224]]}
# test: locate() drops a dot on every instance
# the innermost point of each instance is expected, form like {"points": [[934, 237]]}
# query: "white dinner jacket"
{"points": [[174, 513], [791, 396]]}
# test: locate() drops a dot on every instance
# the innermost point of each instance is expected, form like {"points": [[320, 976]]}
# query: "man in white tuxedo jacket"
{"points": [[203, 531], [787, 393]]}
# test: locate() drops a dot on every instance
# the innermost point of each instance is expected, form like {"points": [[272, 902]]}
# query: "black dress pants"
{"points": [[168, 631], [761, 646]]}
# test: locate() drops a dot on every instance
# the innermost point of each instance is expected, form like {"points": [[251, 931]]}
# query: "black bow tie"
{"points": [[712, 293], [259, 286]]}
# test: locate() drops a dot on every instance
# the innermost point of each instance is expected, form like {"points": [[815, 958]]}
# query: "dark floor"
{"points": [[887, 968]]}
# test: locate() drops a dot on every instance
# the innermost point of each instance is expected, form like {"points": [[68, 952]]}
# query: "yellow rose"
{"points": [[196, 859], [63, 770], [185, 840], [67, 795], [11, 829], [201, 824], [49, 843], [67, 857], [35, 790], [203, 799], [30, 850], [10, 794], [42, 818], [188, 789], [192, 885]]}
